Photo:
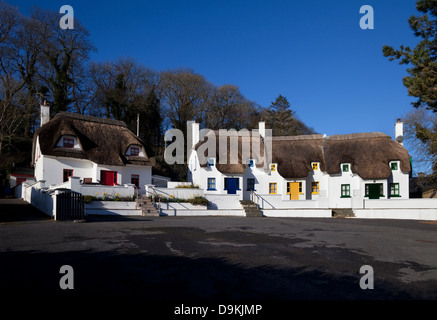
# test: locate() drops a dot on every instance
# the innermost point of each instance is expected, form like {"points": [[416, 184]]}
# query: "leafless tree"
{"points": [[185, 95]]}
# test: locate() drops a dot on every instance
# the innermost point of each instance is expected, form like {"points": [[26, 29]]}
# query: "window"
{"points": [[300, 188], [134, 151], [211, 162], [237, 183], [315, 187], [273, 167], [394, 190], [211, 184], [315, 166], [273, 188], [66, 174], [380, 187], [345, 168], [68, 142], [135, 179], [345, 191], [251, 162], [394, 166], [250, 184]]}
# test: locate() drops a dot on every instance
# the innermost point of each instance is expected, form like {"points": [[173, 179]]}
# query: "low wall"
{"points": [[416, 203], [398, 213], [269, 201], [223, 201], [297, 213], [99, 190], [112, 208], [180, 193], [200, 212], [181, 206], [38, 196]]}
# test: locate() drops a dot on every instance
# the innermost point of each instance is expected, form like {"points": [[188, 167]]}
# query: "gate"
{"points": [[69, 206]]}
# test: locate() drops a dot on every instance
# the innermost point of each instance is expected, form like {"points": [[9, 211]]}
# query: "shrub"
{"points": [[187, 186]]}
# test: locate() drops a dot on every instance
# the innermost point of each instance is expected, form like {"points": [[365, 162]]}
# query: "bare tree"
{"points": [[63, 54], [227, 108], [420, 132], [11, 84], [185, 95]]}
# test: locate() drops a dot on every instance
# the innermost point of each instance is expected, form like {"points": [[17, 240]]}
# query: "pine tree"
{"points": [[280, 118], [422, 79]]}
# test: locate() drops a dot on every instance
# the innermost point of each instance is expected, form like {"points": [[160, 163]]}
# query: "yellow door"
{"points": [[293, 190]]}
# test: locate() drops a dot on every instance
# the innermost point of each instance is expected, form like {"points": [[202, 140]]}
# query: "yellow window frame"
{"points": [[273, 167], [273, 188], [315, 187], [315, 166]]}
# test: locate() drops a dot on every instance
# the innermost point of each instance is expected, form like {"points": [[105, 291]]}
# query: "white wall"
{"points": [[51, 169]]}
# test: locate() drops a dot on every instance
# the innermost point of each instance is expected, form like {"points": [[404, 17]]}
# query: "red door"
{"points": [[108, 178]]}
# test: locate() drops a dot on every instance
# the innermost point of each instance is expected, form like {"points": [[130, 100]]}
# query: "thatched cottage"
{"points": [[98, 151], [336, 171]]}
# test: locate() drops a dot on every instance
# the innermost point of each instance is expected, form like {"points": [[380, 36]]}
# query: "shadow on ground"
{"points": [[110, 275], [14, 210]]}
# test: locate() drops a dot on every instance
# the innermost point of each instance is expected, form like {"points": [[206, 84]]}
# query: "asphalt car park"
{"points": [[216, 258]]}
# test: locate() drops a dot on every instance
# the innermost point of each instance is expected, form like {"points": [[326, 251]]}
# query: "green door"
{"points": [[374, 191]]}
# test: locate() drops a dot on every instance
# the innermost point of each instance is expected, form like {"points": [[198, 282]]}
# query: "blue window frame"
{"points": [[211, 184]]}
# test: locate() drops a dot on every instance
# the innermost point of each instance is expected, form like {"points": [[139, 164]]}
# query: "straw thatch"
{"points": [[102, 141], [224, 162], [368, 153]]}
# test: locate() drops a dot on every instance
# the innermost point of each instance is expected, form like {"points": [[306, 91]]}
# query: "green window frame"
{"points": [[394, 166], [381, 189], [395, 190], [211, 184], [345, 191], [345, 168]]}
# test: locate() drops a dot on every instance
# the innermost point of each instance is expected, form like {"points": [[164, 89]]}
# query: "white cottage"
{"points": [[306, 171], [96, 150]]}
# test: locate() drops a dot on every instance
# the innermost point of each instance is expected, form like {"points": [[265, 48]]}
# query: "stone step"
{"points": [[342, 213]]}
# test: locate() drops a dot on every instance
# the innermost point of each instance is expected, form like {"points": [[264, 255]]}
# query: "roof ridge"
{"points": [[361, 135], [91, 118]]}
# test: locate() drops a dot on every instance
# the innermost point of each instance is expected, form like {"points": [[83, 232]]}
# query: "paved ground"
{"points": [[215, 258]]}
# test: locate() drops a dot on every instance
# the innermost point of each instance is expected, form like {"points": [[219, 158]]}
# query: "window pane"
{"points": [[211, 183]]}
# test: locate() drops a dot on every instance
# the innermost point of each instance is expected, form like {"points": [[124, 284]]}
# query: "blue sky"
{"points": [[312, 52]]}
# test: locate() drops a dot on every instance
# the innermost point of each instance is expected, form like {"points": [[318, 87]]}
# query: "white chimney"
{"points": [[44, 113], [399, 132], [262, 129]]}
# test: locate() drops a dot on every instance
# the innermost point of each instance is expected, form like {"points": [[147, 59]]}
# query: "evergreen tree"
{"points": [[422, 79], [282, 120]]}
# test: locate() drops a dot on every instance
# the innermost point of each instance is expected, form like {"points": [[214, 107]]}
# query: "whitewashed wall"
{"points": [[51, 169]]}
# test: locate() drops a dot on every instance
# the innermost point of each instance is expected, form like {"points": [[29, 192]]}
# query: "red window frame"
{"points": [[68, 142], [135, 179], [66, 173], [134, 151]]}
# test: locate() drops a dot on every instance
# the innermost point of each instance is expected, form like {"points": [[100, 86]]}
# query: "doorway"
{"points": [[293, 190], [108, 178], [231, 185]]}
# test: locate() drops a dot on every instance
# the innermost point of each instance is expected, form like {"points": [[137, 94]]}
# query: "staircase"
{"points": [[251, 208], [342, 213], [147, 206]]}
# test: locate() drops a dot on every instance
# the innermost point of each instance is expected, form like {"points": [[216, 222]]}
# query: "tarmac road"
{"points": [[216, 258]]}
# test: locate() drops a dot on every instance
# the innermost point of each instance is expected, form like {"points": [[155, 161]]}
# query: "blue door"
{"points": [[231, 185]]}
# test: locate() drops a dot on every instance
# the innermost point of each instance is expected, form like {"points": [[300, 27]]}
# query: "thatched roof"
{"points": [[368, 153], [103, 141]]}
